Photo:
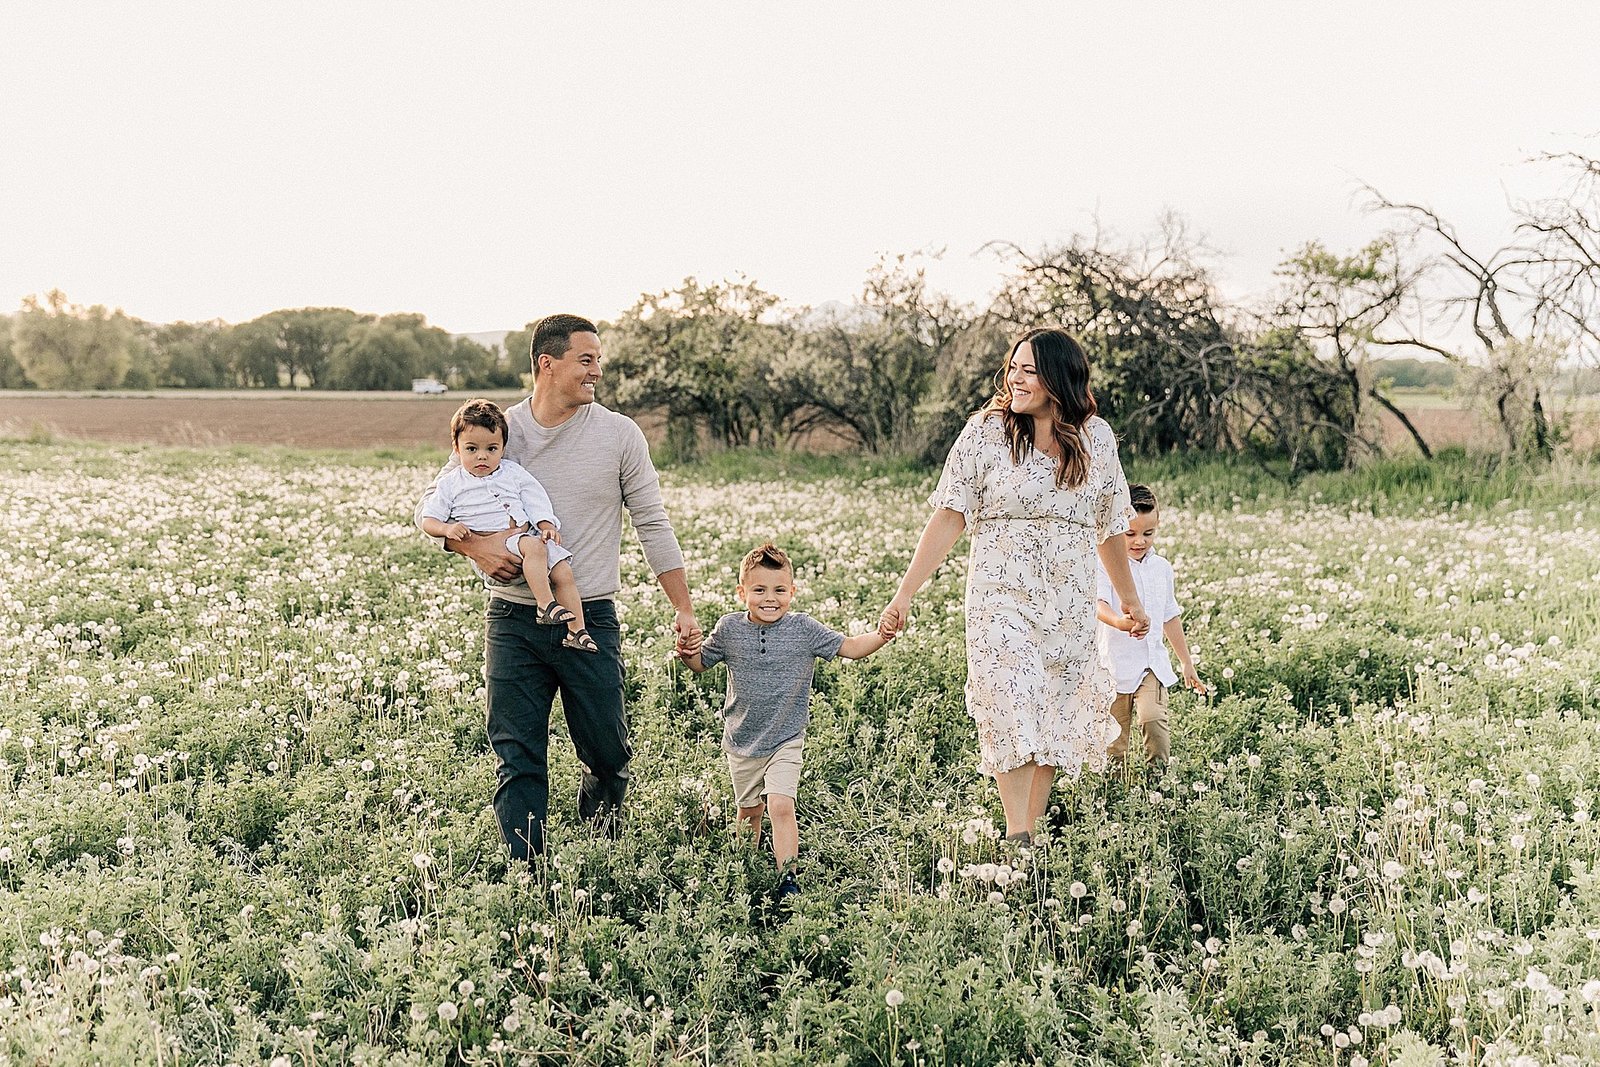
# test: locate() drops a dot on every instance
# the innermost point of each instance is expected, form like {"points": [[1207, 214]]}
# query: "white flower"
{"points": [[422, 861], [1227, 672], [1077, 890], [946, 864], [894, 998], [448, 1011]]}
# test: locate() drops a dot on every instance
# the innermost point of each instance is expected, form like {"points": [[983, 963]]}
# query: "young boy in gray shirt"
{"points": [[771, 655]]}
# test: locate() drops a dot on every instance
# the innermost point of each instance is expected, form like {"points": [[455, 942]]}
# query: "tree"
{"points": [[1152, 324], [378, 354], [291, 347], [1493, 295], [704, 354], [192, 355], [1562, 238], [1340, 303], [61, 345], [875, 370], [12, 375]]}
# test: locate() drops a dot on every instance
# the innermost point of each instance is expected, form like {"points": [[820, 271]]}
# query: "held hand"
{"points": [[688, 631], [1138, 621], [893, 620], [688, 648]]}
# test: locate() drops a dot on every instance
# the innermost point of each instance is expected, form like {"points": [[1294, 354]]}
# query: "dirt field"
{"points": [[372, 420], [194, 417]]}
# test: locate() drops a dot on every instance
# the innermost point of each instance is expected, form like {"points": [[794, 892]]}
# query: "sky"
{"points": [[486, 164]]}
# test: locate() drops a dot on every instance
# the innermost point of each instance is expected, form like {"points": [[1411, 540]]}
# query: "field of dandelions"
{"points": [[246, 784]]}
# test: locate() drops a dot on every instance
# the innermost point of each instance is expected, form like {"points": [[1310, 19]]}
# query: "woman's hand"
{"points": [[894, 619], [1138, 621]]}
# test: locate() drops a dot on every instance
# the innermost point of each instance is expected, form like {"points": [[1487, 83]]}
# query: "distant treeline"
{"points": [[1300, 377], [54, 344]]}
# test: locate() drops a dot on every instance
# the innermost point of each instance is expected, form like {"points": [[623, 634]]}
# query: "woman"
{"points": [[1035, 475]]}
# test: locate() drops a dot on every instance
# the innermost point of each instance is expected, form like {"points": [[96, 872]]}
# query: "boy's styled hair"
{"points": [[768, 555], [1143, 500], [482, 413], [552, 336]]}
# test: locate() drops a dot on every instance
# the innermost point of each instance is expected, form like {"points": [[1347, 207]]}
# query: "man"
{"points": [[593, 462]]}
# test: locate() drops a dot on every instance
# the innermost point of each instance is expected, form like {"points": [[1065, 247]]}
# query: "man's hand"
{"points": [[688, 631], [488, 551]]}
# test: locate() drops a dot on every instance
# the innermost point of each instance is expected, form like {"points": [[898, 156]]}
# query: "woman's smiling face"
{"points": [[1028, 393]]}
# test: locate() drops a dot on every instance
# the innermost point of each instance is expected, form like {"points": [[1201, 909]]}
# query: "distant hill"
{"points": [[486, 338]]}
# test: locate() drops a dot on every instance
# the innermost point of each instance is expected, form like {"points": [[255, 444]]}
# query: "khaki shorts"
{"points": [[756, 776], [1147, 704]]}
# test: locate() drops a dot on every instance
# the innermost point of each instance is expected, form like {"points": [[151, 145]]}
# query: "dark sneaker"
{"points": [[787, 887]]}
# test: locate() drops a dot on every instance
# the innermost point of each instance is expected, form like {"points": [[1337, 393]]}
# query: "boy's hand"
{"points": [[1192, 679], [1138, 622], [893, 620], [548, 532], [456, 531], [689, 645]]}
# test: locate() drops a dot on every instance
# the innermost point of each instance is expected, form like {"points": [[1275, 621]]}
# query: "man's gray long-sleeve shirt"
{"points": [[593, 465]]}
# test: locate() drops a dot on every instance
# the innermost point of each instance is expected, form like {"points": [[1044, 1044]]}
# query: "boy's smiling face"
{"points": [[766, 593], [1142, 534]]}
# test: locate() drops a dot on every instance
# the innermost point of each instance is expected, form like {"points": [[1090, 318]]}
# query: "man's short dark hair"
{"points": [[1143, 500], [552, 336], [485, 414]]}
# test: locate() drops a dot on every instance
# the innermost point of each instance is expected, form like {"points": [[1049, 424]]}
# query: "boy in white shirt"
{"points": [[489, 493], [1140, 664]]}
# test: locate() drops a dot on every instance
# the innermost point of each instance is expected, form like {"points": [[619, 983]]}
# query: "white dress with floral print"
{"points": [[1037, 685]]}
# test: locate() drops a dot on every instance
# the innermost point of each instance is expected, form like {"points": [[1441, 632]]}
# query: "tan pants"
{"points": [[1149, 703]]}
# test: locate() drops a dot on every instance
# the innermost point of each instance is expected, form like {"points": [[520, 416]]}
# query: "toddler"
{"points": [[489, 493]]}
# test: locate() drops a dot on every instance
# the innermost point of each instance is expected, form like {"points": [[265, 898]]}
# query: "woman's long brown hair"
{"points": [[1064, 371]]}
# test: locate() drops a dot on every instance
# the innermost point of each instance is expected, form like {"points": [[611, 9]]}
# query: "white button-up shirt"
{"points": [[1131, 657]]}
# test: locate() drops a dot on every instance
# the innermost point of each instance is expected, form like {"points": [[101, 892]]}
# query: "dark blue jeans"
{"points": [[525, 667]]}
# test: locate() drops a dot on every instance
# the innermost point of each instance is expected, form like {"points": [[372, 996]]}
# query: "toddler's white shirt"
{"points": [[490, 503], [1129, 656]]}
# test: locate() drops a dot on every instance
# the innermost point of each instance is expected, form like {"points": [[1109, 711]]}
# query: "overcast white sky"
{"points": [[485, 164]]}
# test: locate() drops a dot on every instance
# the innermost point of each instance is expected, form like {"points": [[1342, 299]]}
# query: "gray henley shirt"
{"points": [[770, 668]]}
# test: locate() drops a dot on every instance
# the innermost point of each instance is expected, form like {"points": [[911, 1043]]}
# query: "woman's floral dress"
{"points": [[1036, 683]]}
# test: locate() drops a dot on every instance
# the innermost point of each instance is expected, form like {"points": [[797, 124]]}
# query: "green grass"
{"points": [[246, 788]]}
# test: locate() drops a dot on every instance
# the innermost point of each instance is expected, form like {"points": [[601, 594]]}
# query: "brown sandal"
{"points": [[580, 640], [552, 614]]}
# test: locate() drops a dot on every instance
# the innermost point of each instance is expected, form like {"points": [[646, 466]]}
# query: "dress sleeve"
{"points": [[960, 486], [1114, 512]]}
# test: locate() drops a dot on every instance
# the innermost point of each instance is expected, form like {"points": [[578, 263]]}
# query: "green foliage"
{"points": [[246, 789], [61, 345]]}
